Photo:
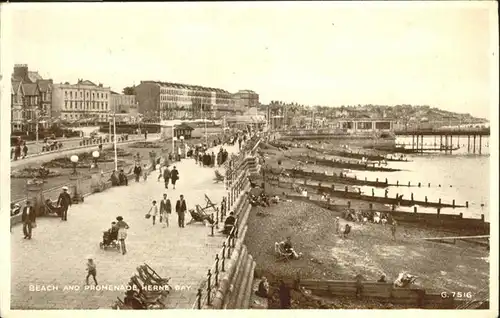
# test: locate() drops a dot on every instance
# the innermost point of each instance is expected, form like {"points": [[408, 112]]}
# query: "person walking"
{"points": [[160, 172], [393, 229], [28, 218], [17, 152], [153, 211], [165, 209], [166, 176], [337, 225], [212, 160], [137, 172], [180, 208], [25, 150], [64, 201], [145, 172], [91, 270], [122, 233], [174, 176]]}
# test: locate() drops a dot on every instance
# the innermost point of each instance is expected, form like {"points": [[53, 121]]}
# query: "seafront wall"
{"points": [[229, 283]]}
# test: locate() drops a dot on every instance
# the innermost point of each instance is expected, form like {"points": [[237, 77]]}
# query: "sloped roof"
{"points": [[184, 126], [30, 89], [15, 85], [186, 86], [44, 85], [87, 82]]}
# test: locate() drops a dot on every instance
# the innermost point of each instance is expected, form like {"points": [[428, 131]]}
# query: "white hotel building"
{"points": [[84, 99]]}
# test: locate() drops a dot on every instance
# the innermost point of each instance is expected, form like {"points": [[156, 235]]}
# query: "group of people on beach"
{"points": [[367, 216]]}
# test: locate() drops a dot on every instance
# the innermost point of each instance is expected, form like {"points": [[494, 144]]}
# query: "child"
{"points": [[153, 211], [91, 270]]}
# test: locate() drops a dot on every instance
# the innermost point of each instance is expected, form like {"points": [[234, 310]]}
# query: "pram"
{"points": [[51, 209], [110, 240]]}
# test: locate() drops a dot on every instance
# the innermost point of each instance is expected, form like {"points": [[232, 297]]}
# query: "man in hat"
{"points": [[64, 201], [180, 208], [28, 218]]}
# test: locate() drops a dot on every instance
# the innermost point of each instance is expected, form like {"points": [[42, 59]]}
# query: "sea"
{"points": [[461, 176]]}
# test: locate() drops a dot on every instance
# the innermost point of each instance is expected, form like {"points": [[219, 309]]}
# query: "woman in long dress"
{"points": [[122, 233]]}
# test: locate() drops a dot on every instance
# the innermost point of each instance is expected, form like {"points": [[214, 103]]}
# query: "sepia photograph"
{"points": [[250, 155]]}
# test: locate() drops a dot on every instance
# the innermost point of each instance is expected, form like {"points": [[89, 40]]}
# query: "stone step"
{"points": [[249, 288], [236, 281], [244, 283]]}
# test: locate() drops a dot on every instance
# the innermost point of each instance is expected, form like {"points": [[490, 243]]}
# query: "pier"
{"points": [[446, 139]]}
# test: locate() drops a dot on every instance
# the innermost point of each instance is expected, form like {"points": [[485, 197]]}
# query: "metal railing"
{"points": [[208, 288], [83, 145]]}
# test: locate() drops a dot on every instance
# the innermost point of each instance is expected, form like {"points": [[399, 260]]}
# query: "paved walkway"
{"points": [[44, 157], [56, 256]]}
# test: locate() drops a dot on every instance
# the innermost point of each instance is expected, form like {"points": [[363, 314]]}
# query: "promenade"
{"points": [[69, 148], [56, 256]]}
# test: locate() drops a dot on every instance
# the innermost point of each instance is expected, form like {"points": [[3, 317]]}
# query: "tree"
{"points": [[129, 90]]}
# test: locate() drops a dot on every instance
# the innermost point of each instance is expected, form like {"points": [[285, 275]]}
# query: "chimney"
{"points": [[100, 85], [21, 71]]}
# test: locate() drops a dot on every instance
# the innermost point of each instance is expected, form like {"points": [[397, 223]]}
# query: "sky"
{"points": [[314, 53]]}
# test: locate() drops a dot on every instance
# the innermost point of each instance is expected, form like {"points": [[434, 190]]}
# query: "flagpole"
{"points": [[173, 142], [114, 131]]}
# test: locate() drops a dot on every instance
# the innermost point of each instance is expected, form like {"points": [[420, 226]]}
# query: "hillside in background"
{"points": [[403, 113]]}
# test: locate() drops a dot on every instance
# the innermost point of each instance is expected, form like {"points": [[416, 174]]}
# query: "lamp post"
{"points": [[173, 138], [74, 176], [74, 159], [95, 155], [174, 154]]}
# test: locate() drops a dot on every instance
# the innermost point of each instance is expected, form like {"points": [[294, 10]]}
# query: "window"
{"points": [[81, 94], [364, 125], [383, 125]]}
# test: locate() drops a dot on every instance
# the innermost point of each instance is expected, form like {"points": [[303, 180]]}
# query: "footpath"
{"points": [[56, 256], [72, 148]]}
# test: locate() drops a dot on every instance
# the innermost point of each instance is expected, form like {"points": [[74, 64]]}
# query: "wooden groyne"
{"points": [[346, 194], [319, 187], [399, 149], [483, 240], [413, 296], [342, 179], [356, 155], [342, 164], [451, 222]]}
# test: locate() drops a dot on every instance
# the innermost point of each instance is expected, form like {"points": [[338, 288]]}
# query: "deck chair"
{"points": [[148, 280], [144, 288], [210, 204], [200, 216], [218, 177], [281, 253], [154, 275]]}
